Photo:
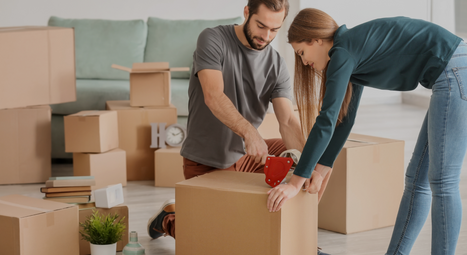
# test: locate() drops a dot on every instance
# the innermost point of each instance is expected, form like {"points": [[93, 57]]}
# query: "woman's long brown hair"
{"points": [[311, 24]]}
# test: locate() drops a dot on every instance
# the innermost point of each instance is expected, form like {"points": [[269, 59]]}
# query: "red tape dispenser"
{"points": [[276, 169]]}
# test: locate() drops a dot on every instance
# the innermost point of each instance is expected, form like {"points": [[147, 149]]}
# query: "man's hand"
{"points": [[256, 146]]}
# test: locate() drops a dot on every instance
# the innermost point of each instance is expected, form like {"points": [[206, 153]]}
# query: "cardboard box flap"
{"points": [[125, 105], [19, 206], [356, 140], [89, 113], [230, 181], [150, 67]]}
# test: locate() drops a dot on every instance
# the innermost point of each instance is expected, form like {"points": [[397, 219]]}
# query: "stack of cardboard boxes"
{"points": [[37, 68], [149, 103], [92, 136]]}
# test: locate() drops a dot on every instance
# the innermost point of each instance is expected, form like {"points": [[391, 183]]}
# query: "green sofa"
{"points": [[101, 43]]}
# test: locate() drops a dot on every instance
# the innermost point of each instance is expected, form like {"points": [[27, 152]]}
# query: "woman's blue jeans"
{"points": [[432, 177]]}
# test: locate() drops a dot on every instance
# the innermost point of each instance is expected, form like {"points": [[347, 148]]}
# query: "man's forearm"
{"points": [[225, 111], [291, 135]]}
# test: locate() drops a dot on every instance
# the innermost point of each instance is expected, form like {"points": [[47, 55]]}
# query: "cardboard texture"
{"points": [[366, 185], [37, 66], [150, 83], [91, 131], [32, 226], [121, 210], [269, 129], [25, 147], [107, 168], [224, 212], [134, 126], [168, 167]]}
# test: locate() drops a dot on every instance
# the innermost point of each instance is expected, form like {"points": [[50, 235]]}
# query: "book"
{"points": [[70, 200], [70, 183], [68, 194], [65, 189], [71, 177], [87, 206]]}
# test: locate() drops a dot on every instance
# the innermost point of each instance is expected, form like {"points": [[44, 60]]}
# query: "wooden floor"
{"points": [[397, 121]]}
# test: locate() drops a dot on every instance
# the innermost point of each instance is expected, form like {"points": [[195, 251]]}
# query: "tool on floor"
{"points": [[276, 168]]}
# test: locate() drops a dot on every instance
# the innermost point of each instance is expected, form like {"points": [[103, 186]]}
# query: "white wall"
{"points": [[37, 12]]}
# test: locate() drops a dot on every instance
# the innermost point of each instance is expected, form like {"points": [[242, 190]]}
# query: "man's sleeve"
{"points": [[283, 86], [342, 131], [208, 53]]}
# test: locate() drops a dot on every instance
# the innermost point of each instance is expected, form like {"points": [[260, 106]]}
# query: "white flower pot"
{"points": [[103, 249]]}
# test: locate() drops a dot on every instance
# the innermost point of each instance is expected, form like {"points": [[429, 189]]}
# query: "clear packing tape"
{"points": [[293, 154]]}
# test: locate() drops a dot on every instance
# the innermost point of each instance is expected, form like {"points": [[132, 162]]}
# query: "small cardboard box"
{"points": [[37, 66], [225, 212], [32, 226], [25, 145], [91, 131], [121, 210], [150, 83], [366, 185], [134, 127], [169, 167], [107, 168]]}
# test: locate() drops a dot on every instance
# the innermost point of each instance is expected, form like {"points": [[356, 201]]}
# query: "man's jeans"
{"points": [[433, 174]]}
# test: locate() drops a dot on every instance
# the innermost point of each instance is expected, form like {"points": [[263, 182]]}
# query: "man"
{"points": [[236, 73]]}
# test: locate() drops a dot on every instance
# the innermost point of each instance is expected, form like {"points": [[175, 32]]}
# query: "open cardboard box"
{"points": [[150, 83]]}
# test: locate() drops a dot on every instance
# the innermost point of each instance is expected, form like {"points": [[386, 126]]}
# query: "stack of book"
{"points": [[69, 189]]}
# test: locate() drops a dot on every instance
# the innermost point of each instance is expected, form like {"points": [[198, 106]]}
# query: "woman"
{"points": [[332, 66]]}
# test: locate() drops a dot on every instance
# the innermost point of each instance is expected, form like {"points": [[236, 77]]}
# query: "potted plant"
{"points": [[102, 232]]}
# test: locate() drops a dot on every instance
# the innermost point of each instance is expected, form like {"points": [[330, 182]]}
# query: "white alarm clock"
{"points": [[175, 135]]}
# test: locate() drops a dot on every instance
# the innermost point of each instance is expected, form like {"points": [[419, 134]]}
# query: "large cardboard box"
{"points": [[150, 83], [168, 167], [121, 210], [366, 185], [108, 168], [224, 212], [25, 145], [91, 131], [37, 66], [134, 127], [31, 226]]}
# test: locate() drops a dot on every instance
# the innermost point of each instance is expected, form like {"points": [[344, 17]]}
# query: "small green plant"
{"points": [[102, 229]]}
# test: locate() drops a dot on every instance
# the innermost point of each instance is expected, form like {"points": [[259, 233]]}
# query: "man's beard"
{"points": [[250, 37]]}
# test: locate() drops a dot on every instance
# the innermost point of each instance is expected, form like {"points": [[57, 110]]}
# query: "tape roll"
{"points": [[292, 153]]}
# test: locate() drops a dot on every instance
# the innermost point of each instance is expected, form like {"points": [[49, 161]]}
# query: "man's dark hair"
{"points": [[273, 5]]}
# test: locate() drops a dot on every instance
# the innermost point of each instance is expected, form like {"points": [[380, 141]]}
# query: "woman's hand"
{"points": [[313, 185], [284, 192]]}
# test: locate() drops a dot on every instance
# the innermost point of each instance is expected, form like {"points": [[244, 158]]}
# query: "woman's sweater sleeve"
{"points": [[340, 68], [342, 131]]}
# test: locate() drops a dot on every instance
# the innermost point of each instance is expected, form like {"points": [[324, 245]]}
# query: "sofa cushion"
{"points": [[101, 43], [174, 41], [92, 95]]}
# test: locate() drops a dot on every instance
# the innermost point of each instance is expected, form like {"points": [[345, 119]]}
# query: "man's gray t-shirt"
{"points": [[252, 78]]}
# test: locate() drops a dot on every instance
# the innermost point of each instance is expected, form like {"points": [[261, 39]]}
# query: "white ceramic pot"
{"points": [[103, 249]]}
